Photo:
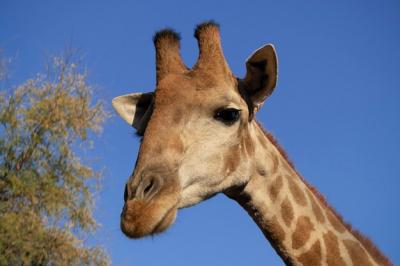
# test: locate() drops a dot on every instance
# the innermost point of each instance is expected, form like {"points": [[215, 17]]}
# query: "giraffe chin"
{"points": [[140, 219]]}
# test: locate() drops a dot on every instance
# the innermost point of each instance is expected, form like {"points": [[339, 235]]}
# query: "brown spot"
{"points": [[287, 211], [177, 117], [372, 249], [335, 222], [302, 232], [176, 144], [316, 209], [357, 253], [275, 187], [275, 163], [311, 257], [333, 256], [297, 193]]}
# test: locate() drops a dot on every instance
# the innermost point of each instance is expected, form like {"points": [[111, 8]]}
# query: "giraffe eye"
{"points": [[227, 116]]}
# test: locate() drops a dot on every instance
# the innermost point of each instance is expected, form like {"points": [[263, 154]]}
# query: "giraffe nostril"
{"points": [[148, 187]]}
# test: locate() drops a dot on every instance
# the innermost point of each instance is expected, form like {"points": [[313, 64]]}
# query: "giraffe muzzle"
{"points": [[150, 203]]}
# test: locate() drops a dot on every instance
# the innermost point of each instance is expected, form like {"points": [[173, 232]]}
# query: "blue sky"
{"points": [[336, 107]]}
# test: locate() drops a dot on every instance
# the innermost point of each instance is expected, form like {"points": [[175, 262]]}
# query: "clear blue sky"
{"points": [[336, 108]]}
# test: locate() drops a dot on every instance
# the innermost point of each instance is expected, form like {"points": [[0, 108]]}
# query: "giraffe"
{"points": [[199, 137]]}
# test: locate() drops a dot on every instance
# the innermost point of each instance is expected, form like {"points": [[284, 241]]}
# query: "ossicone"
{"points": [[168, 57]]}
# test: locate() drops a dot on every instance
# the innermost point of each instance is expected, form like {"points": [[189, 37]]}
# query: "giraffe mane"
{"points": [[367, 243]]}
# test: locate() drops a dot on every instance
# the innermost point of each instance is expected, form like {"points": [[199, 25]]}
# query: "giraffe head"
{"points": [[195, 129]]}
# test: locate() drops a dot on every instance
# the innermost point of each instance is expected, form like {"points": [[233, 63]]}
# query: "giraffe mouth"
{"points": [[140, 219]]}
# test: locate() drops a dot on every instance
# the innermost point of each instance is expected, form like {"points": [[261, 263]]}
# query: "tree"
{"points": [[46, 189]]}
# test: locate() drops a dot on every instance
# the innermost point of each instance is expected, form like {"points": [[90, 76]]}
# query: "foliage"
{"points": [[46, 198]]}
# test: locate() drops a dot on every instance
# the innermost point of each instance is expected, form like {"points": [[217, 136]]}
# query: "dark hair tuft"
{"points": [[205, 24], [166, 33]]}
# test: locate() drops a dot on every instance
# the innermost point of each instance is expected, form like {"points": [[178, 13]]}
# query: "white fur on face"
{"points": [[202, 173]]}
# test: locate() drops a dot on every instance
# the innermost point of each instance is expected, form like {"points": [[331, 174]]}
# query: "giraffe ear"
{"points": [[134, 108], [261, 76]]}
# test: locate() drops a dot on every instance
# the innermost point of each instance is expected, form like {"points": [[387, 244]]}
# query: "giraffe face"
{"points": [[195, 131], [194, 145]]}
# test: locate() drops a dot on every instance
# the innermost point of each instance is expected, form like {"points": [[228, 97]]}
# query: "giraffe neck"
{"points": [[299, 225]]}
